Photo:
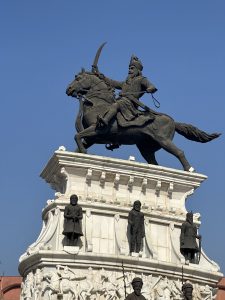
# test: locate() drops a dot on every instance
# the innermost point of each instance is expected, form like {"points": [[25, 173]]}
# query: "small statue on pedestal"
{"points": [[137, 228], [187, 290], [137, 284], [72, 216], [188, 236]]}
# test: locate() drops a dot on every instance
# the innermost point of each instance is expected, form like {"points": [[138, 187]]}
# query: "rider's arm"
{"points": [[114, 83], [148, 86]]}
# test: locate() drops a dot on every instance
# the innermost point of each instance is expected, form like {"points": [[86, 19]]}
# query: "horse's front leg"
{"points": [[86, 145], [88, 132]]}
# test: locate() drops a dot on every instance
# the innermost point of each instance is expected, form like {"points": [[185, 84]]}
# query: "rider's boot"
{"points": [[104, 121]]}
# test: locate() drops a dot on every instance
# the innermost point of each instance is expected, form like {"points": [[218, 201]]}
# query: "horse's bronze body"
{"points": [[95, 99]]}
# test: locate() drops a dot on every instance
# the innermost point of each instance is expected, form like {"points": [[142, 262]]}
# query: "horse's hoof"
{"points": [[191, 170], [77, 150]]}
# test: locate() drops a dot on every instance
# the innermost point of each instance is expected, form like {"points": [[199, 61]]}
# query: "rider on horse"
{"points": [[126, 107]]}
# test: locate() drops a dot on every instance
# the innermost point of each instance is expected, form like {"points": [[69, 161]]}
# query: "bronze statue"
{"points": [[137, 284], [72, 221], [188, 236], [187, 290], [137, 228], [126, 106], [101, 120]]}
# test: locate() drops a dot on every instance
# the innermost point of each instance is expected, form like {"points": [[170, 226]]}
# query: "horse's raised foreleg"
{"points": [[86, 144], [168, 145], [90, 131]]}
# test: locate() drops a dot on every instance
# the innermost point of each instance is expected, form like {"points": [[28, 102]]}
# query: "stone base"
{"points": [[107, 189], [71, 249]]}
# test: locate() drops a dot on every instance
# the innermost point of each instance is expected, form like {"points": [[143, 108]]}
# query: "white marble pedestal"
{"points": [[106, 189]]}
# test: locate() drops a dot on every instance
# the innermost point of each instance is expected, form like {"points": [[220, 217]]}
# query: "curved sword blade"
{"points": [[95, 63]]}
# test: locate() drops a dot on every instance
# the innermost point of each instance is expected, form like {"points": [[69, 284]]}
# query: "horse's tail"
{"points": [[192, 133]]}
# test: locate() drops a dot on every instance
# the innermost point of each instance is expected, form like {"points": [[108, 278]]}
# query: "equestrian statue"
{"points": [[104, 118]]}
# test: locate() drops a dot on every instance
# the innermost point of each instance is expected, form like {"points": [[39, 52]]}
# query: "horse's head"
{"points": [[85, 81], [82, 83]]}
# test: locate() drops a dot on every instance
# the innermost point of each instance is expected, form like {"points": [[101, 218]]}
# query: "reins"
{"points": [[100, 91]]}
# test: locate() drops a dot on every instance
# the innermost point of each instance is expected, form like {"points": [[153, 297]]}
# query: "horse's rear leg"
{"points": [[148, 153], [168, 145]]}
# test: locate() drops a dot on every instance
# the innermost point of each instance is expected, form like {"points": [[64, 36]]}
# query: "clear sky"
{"points": [[45, 43]]}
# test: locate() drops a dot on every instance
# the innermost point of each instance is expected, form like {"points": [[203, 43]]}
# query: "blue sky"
{"points": [[45, 43]]}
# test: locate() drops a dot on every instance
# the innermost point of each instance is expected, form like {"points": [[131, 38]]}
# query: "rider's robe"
{"points": [[132, 89]]}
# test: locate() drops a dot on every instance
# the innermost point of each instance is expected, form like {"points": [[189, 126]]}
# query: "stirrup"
{"points": [[112, 146]]}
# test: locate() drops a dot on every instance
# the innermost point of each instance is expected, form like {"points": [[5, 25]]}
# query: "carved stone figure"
{"points": [[111, 287], [137, 228], [208, 292], [99, 106], [161, 289], [167, 290], [72, 221], [149, 285], [188, 236], [176, 287], [65, 275], [38, 277], [28, 287], [86, 287], [196, 294], [137, 284], [187, 290], [60, 282]]}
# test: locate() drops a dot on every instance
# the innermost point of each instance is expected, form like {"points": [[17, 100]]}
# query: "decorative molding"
{"points": [[102, 179], [184, 197], [158, 187], [120, 236], [130, 183], [170, 190], [116, 181], [88, 230], [63, 281], [148, 240], [89, 176], [48, 230], [144, 185], [175, 249]]}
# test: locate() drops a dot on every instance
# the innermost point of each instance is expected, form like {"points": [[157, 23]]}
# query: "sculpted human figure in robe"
{"points": [[188, 236], [72, 221], [137, 228]]}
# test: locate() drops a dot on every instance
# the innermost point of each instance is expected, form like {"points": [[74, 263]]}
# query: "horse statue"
{"points": [[96, 96]]}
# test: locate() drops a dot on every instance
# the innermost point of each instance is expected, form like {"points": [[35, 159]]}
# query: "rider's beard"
{"points": [[130, 76]]}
